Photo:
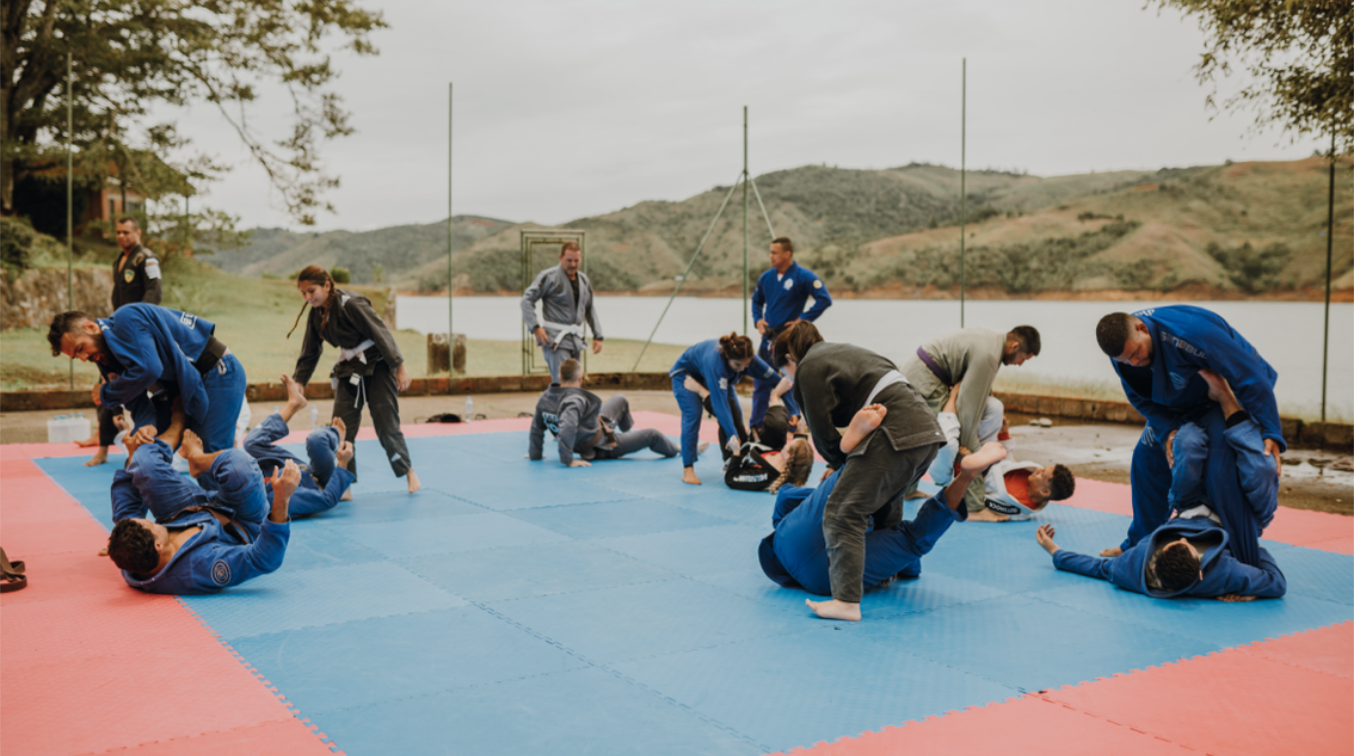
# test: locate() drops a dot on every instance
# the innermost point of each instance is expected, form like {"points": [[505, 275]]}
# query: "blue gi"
{"points": [[1223, 573], [796, 553], [219, 556], [707, 365], [1170, 393], [319, 490], [154, 345], [778, 300]]}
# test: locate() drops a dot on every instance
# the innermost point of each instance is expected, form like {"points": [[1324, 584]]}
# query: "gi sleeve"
{"points": [[150, 274], [370, 325], [974, 389], [569, 415], [1265, 581], [127, 503], [261, 557], [591, 313], [759, 369], [758, 300], [530, 297], [312, 346], [821, 298], [339, 481], [719, 398], [814, 379], [536, 443], [1248, 378], [1090, 566], [140, 371]]}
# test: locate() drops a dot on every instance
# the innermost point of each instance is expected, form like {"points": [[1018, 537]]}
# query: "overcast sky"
{"points": [[570, 109]]}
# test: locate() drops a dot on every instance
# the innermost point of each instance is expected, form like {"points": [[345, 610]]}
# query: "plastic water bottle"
{"points": [[81, 425], [314, 417], [469, 409], [53, 434]]}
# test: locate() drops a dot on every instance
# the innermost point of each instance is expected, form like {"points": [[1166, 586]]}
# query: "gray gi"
{"points": [[367, 377], [583, 423], [832, 383], [563, 317]]}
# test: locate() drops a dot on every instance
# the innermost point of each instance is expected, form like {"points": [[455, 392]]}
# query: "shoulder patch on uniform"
{"points": [[817, 284], [221, 572], [152, 268], [189, 320]]}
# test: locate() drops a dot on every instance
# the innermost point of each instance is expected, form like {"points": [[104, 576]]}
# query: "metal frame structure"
{"points": [[530, 241]]}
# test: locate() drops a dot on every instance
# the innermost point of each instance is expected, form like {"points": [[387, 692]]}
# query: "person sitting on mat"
{"points": [[1012, 490], [1191, 555], [325, 480], [199, 541], [795, 555], [583, 424]]}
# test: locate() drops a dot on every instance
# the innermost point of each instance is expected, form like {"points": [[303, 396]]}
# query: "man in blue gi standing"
{"points": [[1158, 354], [777, 304], [144, 350]]}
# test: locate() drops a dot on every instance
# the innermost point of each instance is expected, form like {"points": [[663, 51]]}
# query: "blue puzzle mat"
{"points": [[519, 607]]}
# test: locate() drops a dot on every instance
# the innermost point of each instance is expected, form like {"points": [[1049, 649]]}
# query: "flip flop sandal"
{"points": [[11, 574]]}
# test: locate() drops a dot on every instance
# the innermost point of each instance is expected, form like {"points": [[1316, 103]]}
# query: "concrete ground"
{"points": [[1315, 479]]}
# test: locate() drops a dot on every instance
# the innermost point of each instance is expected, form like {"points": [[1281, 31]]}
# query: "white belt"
{"points": [[1200, 511], [564, 330], [358, 351], [888, 379]]}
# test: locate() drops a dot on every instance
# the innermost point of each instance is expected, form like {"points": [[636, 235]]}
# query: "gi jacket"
{"points": [[1223, 574], [351, 322], [138, 280], [972, 357], [556, 294], [214, 559], [783, 297], [573, 415], [1169, 392], [832, 383], [707, 365], [156, 345]]}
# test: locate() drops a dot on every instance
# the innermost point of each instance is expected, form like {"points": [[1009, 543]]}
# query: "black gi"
{"points": [[136, 278]]}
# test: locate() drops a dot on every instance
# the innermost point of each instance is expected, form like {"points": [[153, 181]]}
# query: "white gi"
{"points": [[997, 498]]}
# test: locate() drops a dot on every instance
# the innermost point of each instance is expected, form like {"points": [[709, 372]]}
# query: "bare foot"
{"points": [[103, 551], [689, 476], [191, 450], [835, 610], [414, 485], [99, 457], [1113, 551], [990, 454], [347, 495], [701, 447], [337, 422], [296, 398], [93, 440], [987, 515], [862, 425]]}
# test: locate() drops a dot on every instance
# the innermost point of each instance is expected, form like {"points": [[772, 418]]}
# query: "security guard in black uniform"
{"points": [[136, 278]]}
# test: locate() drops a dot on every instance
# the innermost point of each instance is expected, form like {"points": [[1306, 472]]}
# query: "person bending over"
{"points": [[199, 541], [1012, 490], [795, 555], [325, 479], [585, 425]]}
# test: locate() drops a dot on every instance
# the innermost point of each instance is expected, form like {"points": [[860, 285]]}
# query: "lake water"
{"points": [[1288, 334]]}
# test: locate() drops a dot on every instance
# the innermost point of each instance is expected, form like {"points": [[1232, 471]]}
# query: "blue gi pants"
{"points": [[761, 390], [689, 402], [802, 549], [321, 446], [225, 385], [239, 486]]}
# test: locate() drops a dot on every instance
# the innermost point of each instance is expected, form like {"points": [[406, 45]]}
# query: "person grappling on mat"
{"points": [[796, 555], [1013, 490], [199, 541], [325, 479], [1193, 555], [585, 425]]}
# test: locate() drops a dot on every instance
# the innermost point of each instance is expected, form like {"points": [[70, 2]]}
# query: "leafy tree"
{"points": [[1299, 55], [131, 56]]}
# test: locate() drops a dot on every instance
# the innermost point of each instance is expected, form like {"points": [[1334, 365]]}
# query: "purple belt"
{"points": [[936, 369]]}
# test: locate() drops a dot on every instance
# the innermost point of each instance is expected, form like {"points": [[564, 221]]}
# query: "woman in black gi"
{"points": [[370, 369], [832, 382]]}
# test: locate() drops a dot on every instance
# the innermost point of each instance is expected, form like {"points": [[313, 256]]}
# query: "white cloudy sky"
{"points": [[569, 109]]}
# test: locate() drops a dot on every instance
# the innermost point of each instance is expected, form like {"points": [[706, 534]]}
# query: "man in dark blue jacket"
{"points": [[144, 350], [199, 541], [777, 303], [1158, 354]]}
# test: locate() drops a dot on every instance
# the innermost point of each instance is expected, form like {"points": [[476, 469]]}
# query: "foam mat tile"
{"points": [[616, 518], [547, 568], [397, 506], [525, 491], [311, 548], [389, 658], [293, 599], [268, 739], [445, 535], [1325, 649], [659, 618], [1314, 572], [698, 551], [817, 684], [585, 711]]}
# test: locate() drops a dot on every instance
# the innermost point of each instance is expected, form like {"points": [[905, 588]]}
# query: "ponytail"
{"points": [[318, 276], [735, 346]]}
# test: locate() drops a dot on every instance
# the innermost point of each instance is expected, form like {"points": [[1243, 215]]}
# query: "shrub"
{"points": [[340, 275]]}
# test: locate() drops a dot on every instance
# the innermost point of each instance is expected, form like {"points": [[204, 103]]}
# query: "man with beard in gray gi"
{"points": [[566, 294]]}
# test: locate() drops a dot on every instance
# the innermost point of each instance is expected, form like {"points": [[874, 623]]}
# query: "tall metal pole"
{"points": [[451, 333], [746, 178], [963, 190], [1330, 233], [70, 194]]}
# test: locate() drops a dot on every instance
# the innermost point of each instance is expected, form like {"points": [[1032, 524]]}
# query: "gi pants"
{"points": [[761, 389], [692, 407], [321, 447], [569, 348], [616, 413], [380, 394], [225, 384], [975, 498], [876, 476], [239, 490], [889, 551]]}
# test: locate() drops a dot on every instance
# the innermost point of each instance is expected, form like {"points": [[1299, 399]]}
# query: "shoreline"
{"points": [[932, 293]]}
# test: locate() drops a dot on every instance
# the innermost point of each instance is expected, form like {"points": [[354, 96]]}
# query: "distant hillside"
{"points": [[1243, 229]]}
